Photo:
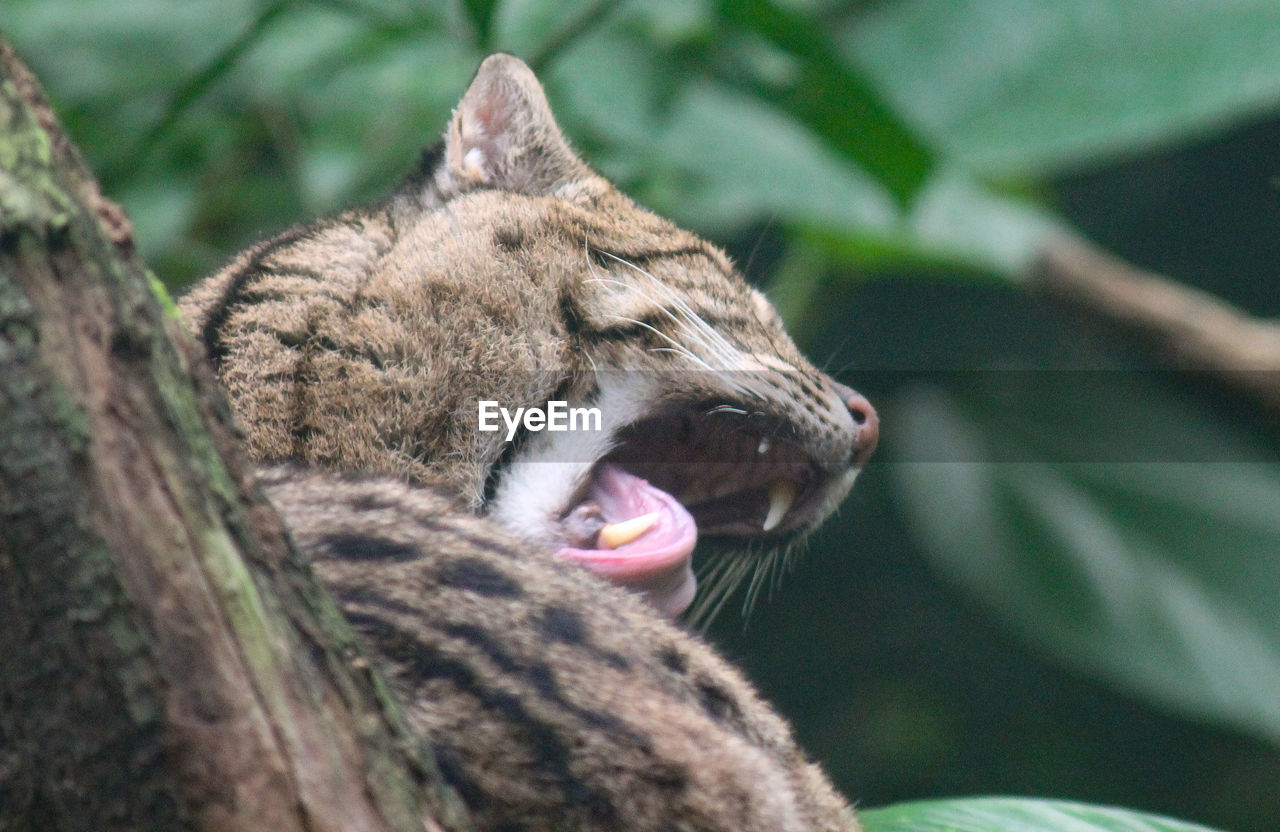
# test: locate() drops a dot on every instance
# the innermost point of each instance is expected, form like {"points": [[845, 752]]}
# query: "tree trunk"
{"points": [[166, 661]]}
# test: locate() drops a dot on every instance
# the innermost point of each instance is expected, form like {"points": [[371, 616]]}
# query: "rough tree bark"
{"points": [[166, 662]]}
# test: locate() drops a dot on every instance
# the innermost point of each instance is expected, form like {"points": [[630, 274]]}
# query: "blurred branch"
{"points": [[834, 101], [578, 26], [195, 86], [480, 15], [1194, 329]]}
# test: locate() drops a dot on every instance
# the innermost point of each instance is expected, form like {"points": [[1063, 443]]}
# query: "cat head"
{"points": [[712, 424]]}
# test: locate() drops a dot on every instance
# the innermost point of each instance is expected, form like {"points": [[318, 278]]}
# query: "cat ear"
{"points": [[503, 135]]}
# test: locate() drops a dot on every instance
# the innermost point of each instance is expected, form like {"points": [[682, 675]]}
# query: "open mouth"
{"points": [[679, 475]]}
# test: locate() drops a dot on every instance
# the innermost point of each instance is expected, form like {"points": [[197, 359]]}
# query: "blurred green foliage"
{"points": [[888, 169], [1015, 815]]}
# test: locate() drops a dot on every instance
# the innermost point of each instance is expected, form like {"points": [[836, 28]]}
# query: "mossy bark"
{"points": [[166, 662]]}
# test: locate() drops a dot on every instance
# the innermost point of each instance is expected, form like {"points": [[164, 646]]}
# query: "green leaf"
{"points": [[955, 225], [539, 30], [955, 229], [1112, 523], [727, 159], [1010, 86], [836, 103], [958, 220], [1004, 814], [702, 151], [480, 17]]}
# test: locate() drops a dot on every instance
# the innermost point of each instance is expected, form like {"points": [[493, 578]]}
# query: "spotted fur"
{"points": [[552, 700], [507, 270]]}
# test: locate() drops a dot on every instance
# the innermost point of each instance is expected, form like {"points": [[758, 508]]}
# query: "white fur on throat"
{"points": [[536, 487]]}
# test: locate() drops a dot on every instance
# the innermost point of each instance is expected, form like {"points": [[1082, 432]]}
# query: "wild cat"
{"points": [[358, 351]]}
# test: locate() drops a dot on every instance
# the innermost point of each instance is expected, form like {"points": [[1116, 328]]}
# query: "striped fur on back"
{"points": [[551, 700]]}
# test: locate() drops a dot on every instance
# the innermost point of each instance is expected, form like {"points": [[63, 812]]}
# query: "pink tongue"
{"points": [[658, 562]]}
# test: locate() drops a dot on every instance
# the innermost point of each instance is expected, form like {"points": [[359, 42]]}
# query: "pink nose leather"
{"points": [[868, 423]]}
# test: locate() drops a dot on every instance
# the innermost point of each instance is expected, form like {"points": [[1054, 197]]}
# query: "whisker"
{"points": [[835, 351], [755, 247], [692, 323], [681, 321], [676, 346], [763, 568], [719, 587]]}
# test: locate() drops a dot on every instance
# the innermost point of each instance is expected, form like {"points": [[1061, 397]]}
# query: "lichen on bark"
{"points": [[165, 659]]}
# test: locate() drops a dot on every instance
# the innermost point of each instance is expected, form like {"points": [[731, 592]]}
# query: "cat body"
{"points": [[507, 271], [550, 699]]}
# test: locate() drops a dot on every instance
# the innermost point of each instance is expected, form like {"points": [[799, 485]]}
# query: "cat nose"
{"points": [[865, 421]]}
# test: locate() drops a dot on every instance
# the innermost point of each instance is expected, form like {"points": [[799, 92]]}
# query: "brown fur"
{"points": [[507, 270], [363, 342], [554, 701]]}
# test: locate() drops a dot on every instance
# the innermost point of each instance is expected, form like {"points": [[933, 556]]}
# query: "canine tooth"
{"points": [[763, 447], [782, 493], [619, 534]]}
